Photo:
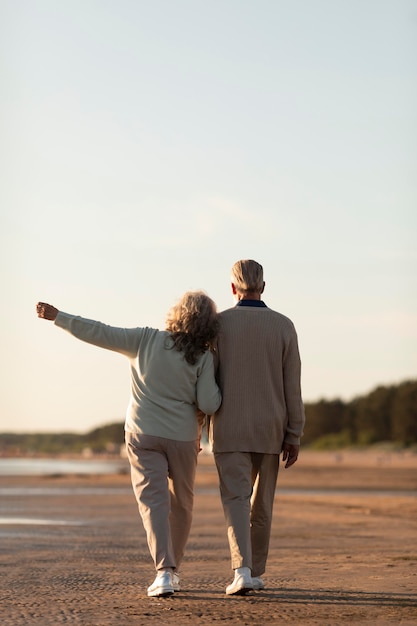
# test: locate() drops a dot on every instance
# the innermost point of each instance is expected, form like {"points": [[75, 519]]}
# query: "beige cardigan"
{"points": [[258, 373]]}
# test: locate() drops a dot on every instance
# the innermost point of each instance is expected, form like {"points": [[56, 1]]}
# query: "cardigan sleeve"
{"points": [[292, 391]]}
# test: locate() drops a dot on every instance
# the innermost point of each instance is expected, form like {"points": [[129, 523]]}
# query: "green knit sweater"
{"points": [[258, 373], [165, 389]]}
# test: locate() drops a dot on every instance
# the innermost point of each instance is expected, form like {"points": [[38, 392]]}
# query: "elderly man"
{"points": [[262, 415]]}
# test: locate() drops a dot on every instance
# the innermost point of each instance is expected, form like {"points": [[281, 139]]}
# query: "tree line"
{"points": [[386, 414], [103, 440]]}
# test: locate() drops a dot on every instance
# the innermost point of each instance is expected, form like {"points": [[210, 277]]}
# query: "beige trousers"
{"points": [[163, 473], [247, 488]]}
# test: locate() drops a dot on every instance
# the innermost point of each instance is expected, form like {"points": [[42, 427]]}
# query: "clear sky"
{"points": [[147, 146]]}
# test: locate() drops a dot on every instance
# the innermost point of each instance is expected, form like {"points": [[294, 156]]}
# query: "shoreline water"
{"points": [[373, 456], [44, 466]]}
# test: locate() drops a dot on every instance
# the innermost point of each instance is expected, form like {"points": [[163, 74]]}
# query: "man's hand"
{"points": [[46, 311], [290, 454]]}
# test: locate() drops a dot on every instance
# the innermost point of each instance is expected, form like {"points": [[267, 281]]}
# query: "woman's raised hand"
{"points": [[46, 311]]}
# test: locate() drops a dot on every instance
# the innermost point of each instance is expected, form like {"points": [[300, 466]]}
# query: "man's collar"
{"points": [[258, 303]]}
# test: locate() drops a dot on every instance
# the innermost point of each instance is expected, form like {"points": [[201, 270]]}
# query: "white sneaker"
{"points": [[258, 583], [241, 584], [176, 581], [162, 585]]}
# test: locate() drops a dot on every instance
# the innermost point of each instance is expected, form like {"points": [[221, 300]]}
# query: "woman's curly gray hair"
{"points": [[193, 324]]}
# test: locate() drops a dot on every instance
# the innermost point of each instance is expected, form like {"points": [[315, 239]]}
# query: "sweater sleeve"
{"points": [[208, 395], [292, 390], [123, 340]]}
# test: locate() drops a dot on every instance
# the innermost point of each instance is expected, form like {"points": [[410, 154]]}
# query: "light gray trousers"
{"points": [[163, 474], [247, 488]]}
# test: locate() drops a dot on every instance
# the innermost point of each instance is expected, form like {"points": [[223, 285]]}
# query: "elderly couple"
{"points": [[240, 367]]}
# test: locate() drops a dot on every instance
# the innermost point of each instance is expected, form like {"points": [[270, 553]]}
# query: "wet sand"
{"points": [[343, 550]]}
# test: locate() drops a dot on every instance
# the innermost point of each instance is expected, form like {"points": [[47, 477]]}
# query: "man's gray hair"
{"points": [[248, 275]]}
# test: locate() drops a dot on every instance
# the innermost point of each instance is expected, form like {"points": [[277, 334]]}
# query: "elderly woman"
{"points": [[172, 380]]}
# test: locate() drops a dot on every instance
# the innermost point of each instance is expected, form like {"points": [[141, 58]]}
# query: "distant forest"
{"points": [[388, 415]]}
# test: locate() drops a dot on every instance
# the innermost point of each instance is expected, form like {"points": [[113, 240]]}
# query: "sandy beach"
{"points": [[343, 549]]}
